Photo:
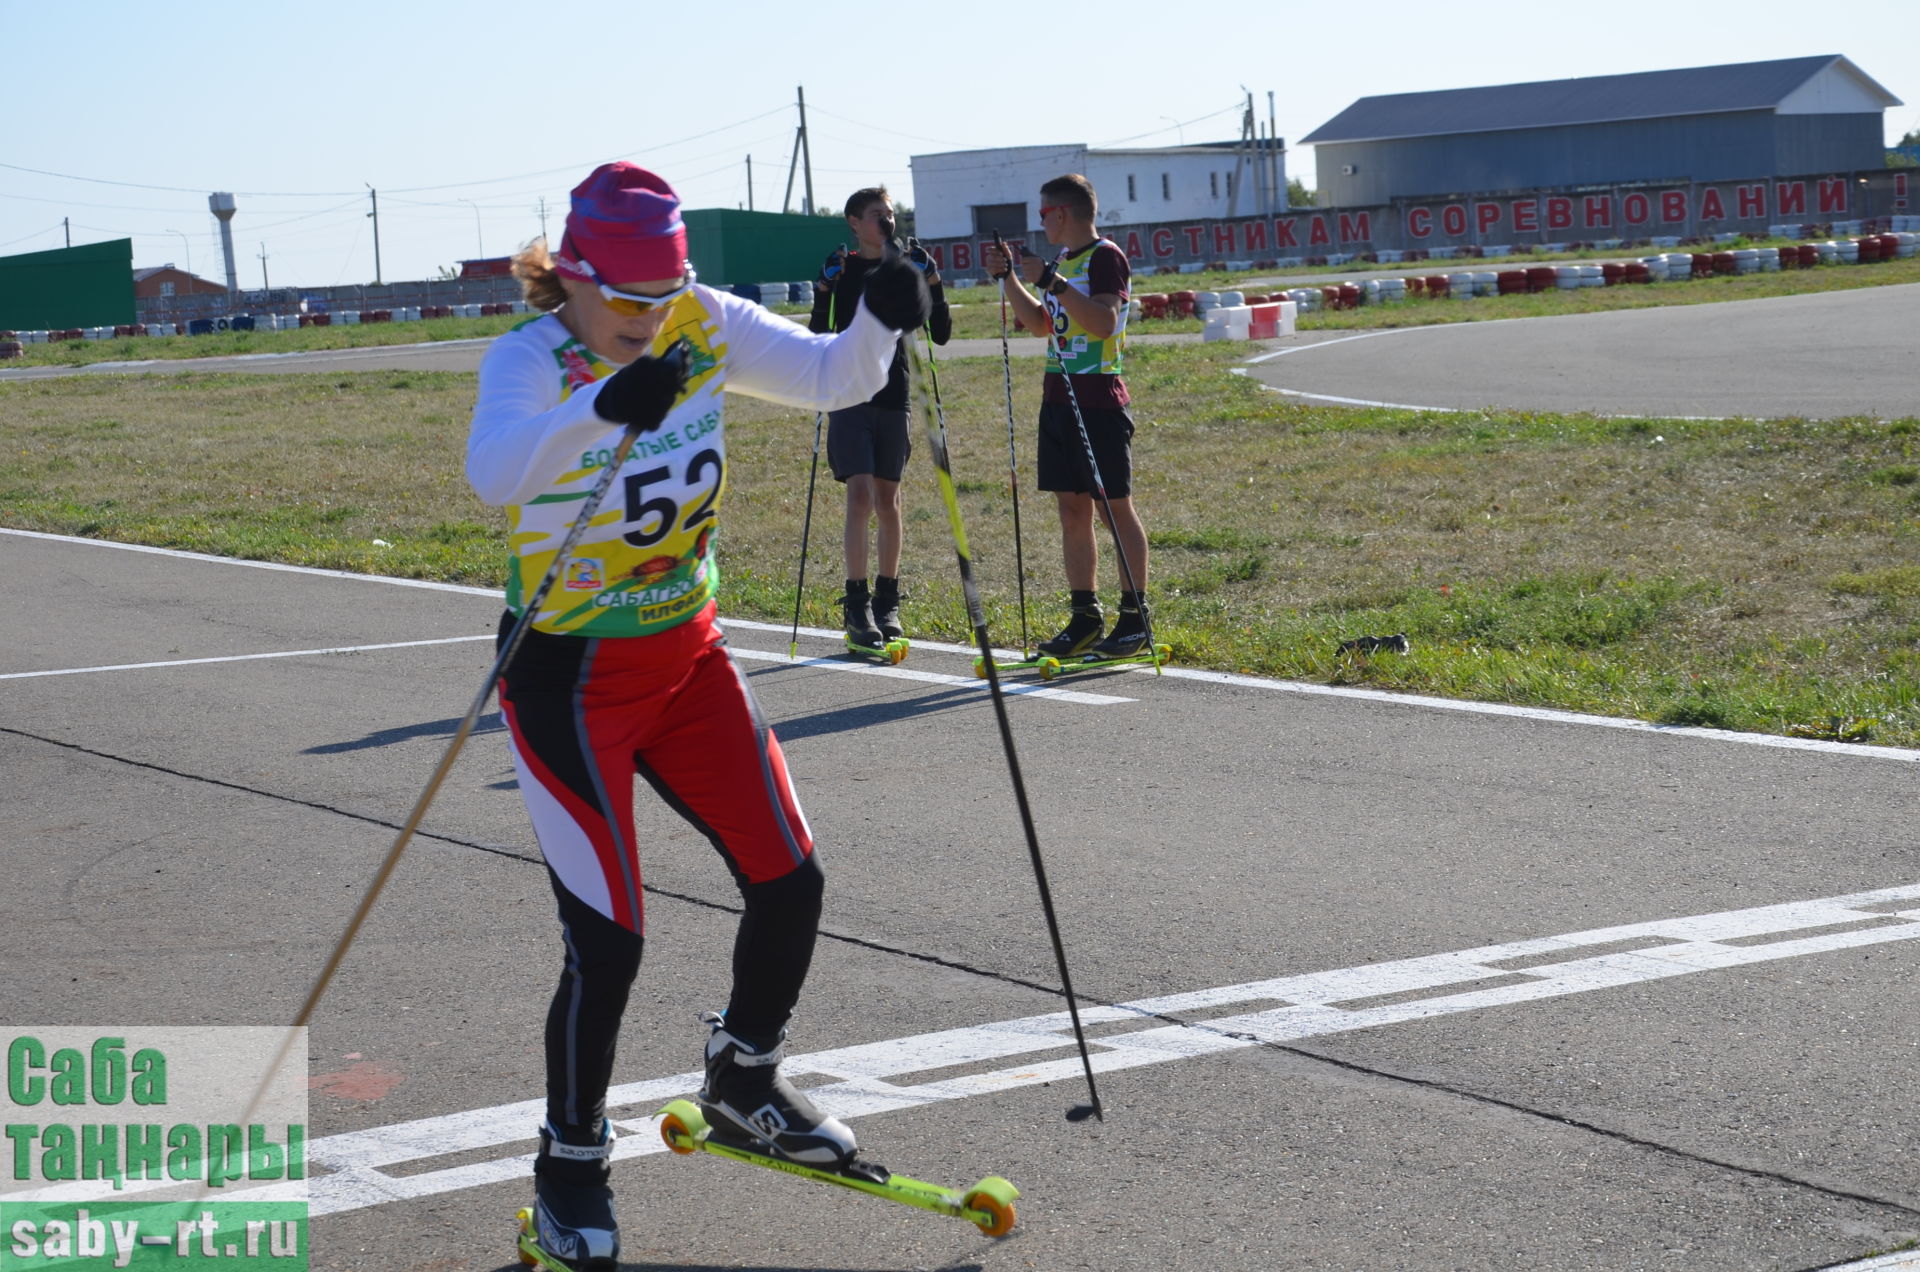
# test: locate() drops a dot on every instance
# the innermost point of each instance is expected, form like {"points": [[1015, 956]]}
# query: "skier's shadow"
{"points": [[490, 723], [862, 715]]}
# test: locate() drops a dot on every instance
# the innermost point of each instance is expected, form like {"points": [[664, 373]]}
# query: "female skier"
{"points": [[624, 669]]}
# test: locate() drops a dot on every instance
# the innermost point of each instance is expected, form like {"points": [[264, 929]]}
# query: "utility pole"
{"points": [[1273, 140], [749, 183], [543, 216], [375, 214], [1240, 155], [66, 223], [264, 284], [806, 154], [801, 153]]}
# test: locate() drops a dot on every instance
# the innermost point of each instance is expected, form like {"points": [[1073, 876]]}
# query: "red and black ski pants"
{"points": [[584, 715]]}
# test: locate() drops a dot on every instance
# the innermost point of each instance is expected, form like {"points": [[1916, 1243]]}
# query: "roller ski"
{"points": [[570, 1226], [988, 1204], [749, 1113], [1085, 625], [863, 634]]}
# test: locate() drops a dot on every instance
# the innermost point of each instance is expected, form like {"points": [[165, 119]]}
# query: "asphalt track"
{"points": [[1375, 982], [1278, 902], [1821, 356]]}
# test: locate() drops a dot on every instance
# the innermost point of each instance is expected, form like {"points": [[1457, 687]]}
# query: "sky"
{"points": [[465, 116]]}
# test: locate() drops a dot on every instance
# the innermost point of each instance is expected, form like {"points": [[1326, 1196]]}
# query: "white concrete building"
{"points": [[964, 193]]}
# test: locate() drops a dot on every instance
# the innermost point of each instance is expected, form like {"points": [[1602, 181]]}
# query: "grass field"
{"points": [[1737, 574]]}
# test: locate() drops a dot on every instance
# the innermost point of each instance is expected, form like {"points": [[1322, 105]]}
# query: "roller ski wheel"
{"points": [[1049, 668], [988, 1205], [528, 1254], [979, 669]]}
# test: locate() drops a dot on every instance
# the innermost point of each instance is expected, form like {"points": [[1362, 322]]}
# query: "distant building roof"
{"points": [[1594, 99]]}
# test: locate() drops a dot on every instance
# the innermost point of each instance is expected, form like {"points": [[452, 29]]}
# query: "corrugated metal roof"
{"points": [[1592, 100]]}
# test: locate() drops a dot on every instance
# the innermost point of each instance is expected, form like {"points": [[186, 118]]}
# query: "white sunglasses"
{"points": [[631, 304]]}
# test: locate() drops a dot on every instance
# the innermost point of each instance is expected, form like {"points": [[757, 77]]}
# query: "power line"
{"points": [[896, 132], [1233, 109]]}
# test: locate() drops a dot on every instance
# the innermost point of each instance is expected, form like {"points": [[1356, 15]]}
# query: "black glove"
{"points": [[918, 258], [897, 293], [1004, 251], [836, 265], [641, 393]]}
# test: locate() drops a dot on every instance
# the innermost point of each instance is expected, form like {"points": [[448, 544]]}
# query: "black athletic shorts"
{"points": [[868, 439], [1063, 457]]}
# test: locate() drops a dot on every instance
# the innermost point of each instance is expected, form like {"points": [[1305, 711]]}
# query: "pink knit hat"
{"points": [[624, 227]]}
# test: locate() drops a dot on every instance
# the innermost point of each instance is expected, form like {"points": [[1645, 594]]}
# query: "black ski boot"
{"points": [[1083, 628], [746, 1098], [573, 1206], [1129, 634], [886, 607], [858, 607]]}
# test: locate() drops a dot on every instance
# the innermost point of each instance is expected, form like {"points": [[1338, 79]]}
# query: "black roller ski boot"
{"points": [[1083, 628], [886, 607], [1129, 634], [858, 607], [746, 1100], [572, 1221]]}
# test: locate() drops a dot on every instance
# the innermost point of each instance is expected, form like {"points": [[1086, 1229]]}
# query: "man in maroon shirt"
{"points": [[1083, 302]]}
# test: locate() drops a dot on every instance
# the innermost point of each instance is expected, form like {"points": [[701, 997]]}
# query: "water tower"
{"points": [[221, 205]]}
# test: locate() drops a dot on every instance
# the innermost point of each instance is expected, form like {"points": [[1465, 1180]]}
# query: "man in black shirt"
{"points": [[868, 445]]}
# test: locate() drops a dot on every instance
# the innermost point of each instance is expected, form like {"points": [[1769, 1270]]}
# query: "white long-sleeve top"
{"points": [[537, 447]]}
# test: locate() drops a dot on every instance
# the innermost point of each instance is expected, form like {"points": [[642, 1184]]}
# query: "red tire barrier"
{"points": [[1723, 263], [1349, 295], [1181, 303], [1869, 248], [1153, 305], [1635, 272], [1809, 255], [1889, 246], [1436, 284], [1330, 298], [1513, 282], [11, 349], [1702, 264], [1614, 274], [1416, 286], [1541, 278]]}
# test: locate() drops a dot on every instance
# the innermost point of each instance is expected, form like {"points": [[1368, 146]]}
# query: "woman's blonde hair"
{"points": [[539, 283]]}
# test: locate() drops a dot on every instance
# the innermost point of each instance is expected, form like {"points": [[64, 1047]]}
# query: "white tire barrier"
{"points": [[1251, 322]]}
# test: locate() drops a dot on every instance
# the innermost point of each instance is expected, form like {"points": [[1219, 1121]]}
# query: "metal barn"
{"points": [[1710, 123]]}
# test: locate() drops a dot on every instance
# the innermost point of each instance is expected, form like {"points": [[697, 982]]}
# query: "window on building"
{"points": [[1009, 219], [1213, 185], [1166, 187], [166, 289], [1229, 185], [1131, 196]]}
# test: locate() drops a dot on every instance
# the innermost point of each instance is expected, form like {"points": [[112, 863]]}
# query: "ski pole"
{"points": [[806, 526], [1013, 455], [1093, 471], [976, 615], [515, 636]]}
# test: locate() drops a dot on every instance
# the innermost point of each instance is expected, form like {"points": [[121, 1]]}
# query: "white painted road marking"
{"points": [[284, 653], [933, 677], [1283, 686], [1283, 1009]]}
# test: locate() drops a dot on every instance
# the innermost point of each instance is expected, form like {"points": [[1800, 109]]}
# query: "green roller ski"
{"points": [[987, 1205], [1159, 657], [891, 652]]}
